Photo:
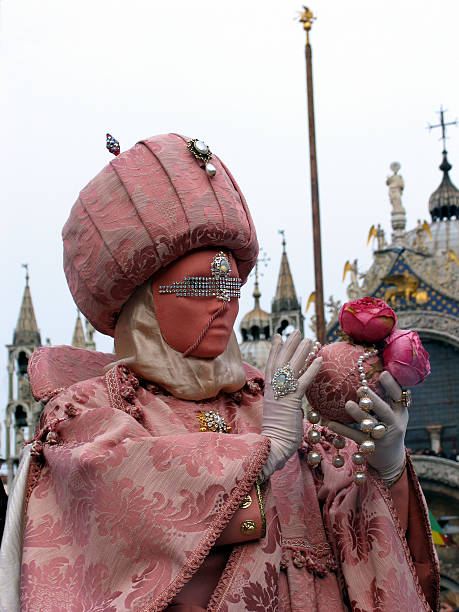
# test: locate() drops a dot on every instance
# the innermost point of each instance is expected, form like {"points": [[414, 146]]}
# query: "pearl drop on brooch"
{"points": [[211, 169]]}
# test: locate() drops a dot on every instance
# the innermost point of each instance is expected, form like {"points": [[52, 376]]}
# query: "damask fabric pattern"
{"points": [[339, 378], [148, 207], [131, 497]]}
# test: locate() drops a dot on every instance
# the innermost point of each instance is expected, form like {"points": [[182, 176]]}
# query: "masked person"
{"points": [[170, 476]]}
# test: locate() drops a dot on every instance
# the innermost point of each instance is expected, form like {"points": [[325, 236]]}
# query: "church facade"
{"points": [[417, 273]]}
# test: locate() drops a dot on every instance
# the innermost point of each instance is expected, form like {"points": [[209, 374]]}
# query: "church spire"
{"points": [[78, 339], [26, 331], [285, 298], [286, 312], [256, 290]]}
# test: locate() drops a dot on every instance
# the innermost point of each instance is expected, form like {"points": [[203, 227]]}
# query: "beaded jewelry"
{"points": [[112, 145], [212, 421], [367, 425], [314, 436], [201, 152], [220, 285]]}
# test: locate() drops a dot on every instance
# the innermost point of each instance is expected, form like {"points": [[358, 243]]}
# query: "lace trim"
{"points": [[256, 462], [47, 432], [122, 387], [32, 478], [385, 493], [52, 394], [226, 579], [318, 559], [253, 386]]}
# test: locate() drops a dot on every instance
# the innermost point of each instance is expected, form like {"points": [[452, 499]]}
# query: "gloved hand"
{"points": [[283, 417], [389, 456]]}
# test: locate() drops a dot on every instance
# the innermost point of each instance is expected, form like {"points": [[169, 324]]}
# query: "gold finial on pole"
{"points": [[306, 19]]}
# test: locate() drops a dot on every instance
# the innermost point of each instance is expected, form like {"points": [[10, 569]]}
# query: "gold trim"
{"points": [[390, 483], [262, 509]]}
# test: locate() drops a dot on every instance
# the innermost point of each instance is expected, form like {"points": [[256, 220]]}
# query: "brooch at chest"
{"points": [[212, 421]]}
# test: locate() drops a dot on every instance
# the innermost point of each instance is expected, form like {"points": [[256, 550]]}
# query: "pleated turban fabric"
{"points": [[148, 207]]}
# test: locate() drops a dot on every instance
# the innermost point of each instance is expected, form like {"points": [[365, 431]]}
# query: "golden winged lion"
{"points": [[404, 285]]}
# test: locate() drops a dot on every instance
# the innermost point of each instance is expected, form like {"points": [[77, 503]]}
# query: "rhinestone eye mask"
{"points": [[220, 284]]}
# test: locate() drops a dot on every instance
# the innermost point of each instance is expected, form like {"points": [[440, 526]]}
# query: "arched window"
{"points": [[436, 400], [23, 362], [20, 416]]}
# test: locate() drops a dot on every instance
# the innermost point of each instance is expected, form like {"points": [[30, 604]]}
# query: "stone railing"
{"points": [[437, 470]]}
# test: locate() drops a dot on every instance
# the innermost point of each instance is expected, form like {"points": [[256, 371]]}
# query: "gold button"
{"points": [[246, 502], [248, 527]]}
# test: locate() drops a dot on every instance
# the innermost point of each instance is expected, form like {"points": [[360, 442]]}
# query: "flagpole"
{"points": [[306, 19]]}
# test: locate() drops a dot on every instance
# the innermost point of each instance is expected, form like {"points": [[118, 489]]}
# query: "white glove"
{"points": [[283, 417], [389, 456]]}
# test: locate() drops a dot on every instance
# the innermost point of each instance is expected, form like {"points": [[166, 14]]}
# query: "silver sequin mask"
{"points": [[220, 284]]}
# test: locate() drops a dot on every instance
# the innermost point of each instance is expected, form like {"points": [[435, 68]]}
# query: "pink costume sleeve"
{"points": [[118, 515], [381, 538], [408, 502]]}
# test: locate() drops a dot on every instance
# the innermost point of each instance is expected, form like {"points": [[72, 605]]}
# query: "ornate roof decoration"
{"points": [[256, 324], [444, 202], [418, 273], [256, 328]]}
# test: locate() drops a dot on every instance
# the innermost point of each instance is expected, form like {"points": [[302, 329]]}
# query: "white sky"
{"points": [[233, 74]]}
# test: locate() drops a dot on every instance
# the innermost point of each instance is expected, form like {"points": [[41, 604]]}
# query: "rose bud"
{"points": [[405, 357], [367, 320]]}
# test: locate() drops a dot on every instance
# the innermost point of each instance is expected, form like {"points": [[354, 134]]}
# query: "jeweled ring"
{"points": [[379, 431], [405, 399], [284, 381]]}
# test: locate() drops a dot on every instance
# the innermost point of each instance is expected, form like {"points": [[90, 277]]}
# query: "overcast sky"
{"points": [[233, 74]]}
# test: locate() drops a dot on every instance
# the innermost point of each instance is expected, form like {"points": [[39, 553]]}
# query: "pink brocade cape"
{"points": [[126, 499]]}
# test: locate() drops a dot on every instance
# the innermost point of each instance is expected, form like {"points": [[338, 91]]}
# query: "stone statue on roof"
{"points": [[396, 186]]}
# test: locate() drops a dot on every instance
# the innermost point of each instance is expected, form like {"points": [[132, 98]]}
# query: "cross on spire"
{"points": [[261, 259], [26, 266], [443, 125], [282, 233]]}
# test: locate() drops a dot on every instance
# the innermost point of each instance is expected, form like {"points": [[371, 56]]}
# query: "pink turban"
{"points": [[147, 208]]}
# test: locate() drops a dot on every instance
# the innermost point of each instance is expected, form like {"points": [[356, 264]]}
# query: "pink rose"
{"points": [[405, 357], [367, 320]]}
